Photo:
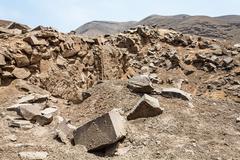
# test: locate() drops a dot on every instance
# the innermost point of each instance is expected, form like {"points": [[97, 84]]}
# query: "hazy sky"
{"points": [[66, 15]]}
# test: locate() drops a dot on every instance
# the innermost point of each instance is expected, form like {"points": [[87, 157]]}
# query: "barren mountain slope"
{"points": [[224, 27], [103, 27]]}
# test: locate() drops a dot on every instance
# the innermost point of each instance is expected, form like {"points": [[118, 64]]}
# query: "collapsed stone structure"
{"points": [[67, 65]]}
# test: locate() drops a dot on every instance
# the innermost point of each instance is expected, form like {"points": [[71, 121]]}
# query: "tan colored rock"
{"points": [[32, 40], [12, 137], [33, 98], [35, 57], [237, 70], [10, 31], [7, 74], [89, 59], [64, 131], [30, 111], [102, 131], [27, 49], [70, 49], [146, 107], [2, 60], [61, 61], [21, 73], [21, 60], [33, 155]]}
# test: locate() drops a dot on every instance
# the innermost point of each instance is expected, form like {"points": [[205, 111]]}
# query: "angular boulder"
{"points": [[21, 73], [140, 84], [60, 61], [21, 60], [44, 119], [175, 93], [49, 111], [64, 131], [22, 27], [32, 40], [35, 58], [46, 116], [146, 107], [30, 111], [101, 132], [2, 60]]}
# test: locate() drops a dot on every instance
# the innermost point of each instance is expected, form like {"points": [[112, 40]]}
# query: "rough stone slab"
{"points": [[227, 60], [44, 119], [49, 111], [33, 98], [175, 93], [33, 155], [19, 26], [21, 73], [32, 40], [35, 57], [2, 60], [64, 130], [140, 84], [30, 111], [23, 124], [21, 60], [14, 107], [102, 131], [146, 107], [61, 61]]}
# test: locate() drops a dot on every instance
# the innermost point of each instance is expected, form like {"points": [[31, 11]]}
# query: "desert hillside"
{"points": [[223, 27], [145, 93]]}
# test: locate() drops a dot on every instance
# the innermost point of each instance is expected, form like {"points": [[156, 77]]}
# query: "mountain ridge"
{"points": [[223, 27]]}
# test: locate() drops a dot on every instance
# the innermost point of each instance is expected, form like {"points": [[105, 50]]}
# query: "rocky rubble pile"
{"points": [[33, 108], [152, 64], [67, 65]]}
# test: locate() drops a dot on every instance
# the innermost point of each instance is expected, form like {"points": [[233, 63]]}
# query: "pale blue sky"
{"points": [[66, 15]]}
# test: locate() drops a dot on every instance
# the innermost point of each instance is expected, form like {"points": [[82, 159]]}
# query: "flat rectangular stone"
{"points": [[174, 92], [23, 124], [33, 155]]}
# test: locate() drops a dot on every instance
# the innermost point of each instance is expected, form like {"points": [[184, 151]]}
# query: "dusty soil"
{"points": [[206, 131]]}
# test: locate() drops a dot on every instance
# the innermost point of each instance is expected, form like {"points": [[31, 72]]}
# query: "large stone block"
{"points": [[140, 84], [102, 131], [146, 107]]}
